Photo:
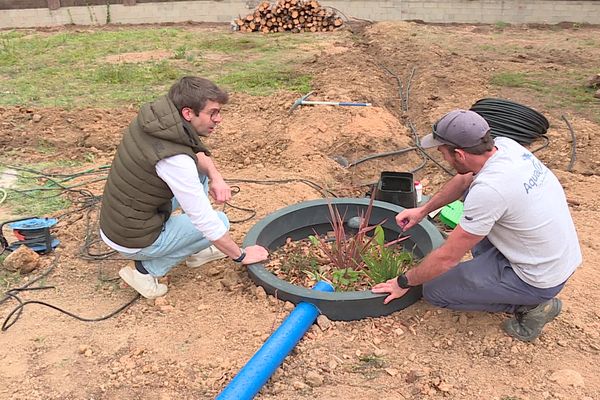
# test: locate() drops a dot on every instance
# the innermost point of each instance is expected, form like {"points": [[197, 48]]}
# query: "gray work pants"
{"points": [[485, 283]]}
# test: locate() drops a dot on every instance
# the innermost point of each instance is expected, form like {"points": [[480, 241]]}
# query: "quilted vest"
{"points": [[136, 203]]}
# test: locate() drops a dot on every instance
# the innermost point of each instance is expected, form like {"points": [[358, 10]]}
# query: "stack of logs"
{"points": [[289, 15]]}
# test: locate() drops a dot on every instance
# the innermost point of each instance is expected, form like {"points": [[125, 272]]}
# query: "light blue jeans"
{"points": [[178, 240]]}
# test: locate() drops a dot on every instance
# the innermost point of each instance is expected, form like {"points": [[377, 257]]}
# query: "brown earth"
{"points": [[191, 343]]}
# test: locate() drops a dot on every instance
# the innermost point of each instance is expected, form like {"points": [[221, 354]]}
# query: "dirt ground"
{"points": [[189, 344]]}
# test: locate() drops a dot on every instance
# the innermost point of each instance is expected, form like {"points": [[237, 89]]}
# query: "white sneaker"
{"points": [[144, 284], [203, 256]]}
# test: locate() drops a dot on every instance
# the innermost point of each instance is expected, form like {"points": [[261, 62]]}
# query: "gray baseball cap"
{"points": [[458, 128]]}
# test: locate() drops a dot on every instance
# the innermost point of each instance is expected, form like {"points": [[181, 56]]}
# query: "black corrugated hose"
{"points": [[512, 120]]}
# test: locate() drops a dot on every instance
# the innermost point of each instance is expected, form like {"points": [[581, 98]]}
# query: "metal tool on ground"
{"points": [[303, 102]]}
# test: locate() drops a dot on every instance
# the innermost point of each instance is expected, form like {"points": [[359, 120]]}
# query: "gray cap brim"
{"points": [[428, 142]]}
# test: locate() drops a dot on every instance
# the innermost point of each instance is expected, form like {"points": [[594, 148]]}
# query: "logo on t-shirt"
{"points": [[537, 176]]}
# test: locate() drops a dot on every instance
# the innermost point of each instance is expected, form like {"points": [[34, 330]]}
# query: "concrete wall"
{"points": [[442, 11]]}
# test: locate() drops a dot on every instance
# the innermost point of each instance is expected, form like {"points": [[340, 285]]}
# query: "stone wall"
{"points": [[434, 11]]}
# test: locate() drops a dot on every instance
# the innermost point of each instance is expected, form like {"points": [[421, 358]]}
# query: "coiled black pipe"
{"points": [[512, 120]]}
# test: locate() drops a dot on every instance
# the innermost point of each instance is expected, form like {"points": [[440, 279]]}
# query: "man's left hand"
{"points": [[391, 287], [219, 190]]}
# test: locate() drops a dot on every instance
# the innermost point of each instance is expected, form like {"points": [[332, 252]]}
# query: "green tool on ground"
{"points": [[451, 213]]}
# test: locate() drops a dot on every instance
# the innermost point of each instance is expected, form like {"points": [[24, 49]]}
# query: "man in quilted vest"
{"points": [[160, 164]]}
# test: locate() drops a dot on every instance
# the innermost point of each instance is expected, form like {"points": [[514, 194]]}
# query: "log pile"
{"points": [[291, 16]]}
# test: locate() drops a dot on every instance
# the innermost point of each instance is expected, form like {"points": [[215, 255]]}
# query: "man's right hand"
{"points": [[410, 217], [255, 254]]}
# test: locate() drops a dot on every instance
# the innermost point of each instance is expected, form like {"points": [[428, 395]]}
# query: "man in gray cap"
{"points": [[516, 223]]}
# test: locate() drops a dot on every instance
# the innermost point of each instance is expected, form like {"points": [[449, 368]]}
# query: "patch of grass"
{"points": [[33, 196], [260, 79], [501, 25], [71, 69], [8, 279], [559, 90]]}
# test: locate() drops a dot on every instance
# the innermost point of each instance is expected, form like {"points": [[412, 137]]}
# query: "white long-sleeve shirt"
{"points": [[181, 175]]}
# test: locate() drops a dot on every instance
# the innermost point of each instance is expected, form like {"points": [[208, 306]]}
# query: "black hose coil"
{"points": [[512, 120]]}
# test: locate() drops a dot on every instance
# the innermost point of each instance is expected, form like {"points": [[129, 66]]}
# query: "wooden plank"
{"points": [[54, 4], [129, 2]]}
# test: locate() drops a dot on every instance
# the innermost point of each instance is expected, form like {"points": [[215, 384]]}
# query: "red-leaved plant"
{"points": [[345, 252]]}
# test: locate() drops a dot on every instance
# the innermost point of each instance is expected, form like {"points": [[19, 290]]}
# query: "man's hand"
{"points": [[219, 190], [391, 287], [410, 217], [255, 254]]}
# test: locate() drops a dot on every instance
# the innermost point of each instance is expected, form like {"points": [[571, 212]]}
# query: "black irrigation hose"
{"points": [[324, 192], [512, 120], [15, 314], [380, 155], [573, 144], [235, 190]]}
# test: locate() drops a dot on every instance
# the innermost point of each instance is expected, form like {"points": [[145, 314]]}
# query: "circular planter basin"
{"points": [[300, 220]]}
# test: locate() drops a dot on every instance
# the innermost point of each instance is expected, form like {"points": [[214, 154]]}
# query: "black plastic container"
{"points": [[397, 188]]}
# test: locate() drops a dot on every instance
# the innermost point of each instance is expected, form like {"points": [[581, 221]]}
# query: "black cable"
{"points": [[408, 83], [512, 120], [324, 192], [573, 144], [19, 309], [398, 81], [235, 190], [379, 155], [15, 314]]}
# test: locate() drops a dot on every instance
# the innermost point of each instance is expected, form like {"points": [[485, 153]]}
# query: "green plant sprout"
{"points": [[383, 262]]}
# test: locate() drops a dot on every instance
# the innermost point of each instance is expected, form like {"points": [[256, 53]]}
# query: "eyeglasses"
{"points": [[214, 114]]}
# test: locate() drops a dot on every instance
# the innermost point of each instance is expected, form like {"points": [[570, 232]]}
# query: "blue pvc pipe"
{"points": [[251, 378]]}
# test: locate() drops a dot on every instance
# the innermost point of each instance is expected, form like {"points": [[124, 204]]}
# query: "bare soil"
{"points": [[189, 344]]}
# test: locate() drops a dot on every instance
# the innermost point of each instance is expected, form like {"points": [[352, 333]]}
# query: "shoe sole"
{"points": [[213, 258]]}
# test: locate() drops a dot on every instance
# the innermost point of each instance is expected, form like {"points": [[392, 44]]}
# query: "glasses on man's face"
{"points": [[214, 114]]}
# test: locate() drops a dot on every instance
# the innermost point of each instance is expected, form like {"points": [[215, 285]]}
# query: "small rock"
{"points": [[323, 322], [314, 379], [332, 365], [260, 293], [597, 94], [289, 306], [161, 301], [444, 387], [380, 352], [299, 385], [562, 343], [83, 348], [391, 371], [88, 353], [567, 377], [462, 319], [36, 118], [23, 260]]}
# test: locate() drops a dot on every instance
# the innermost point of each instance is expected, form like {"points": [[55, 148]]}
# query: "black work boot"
{"points": [[528, 325]]}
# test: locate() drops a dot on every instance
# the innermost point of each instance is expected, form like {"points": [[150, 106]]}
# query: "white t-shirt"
{"points": [[519, 204], [181, 175]]}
